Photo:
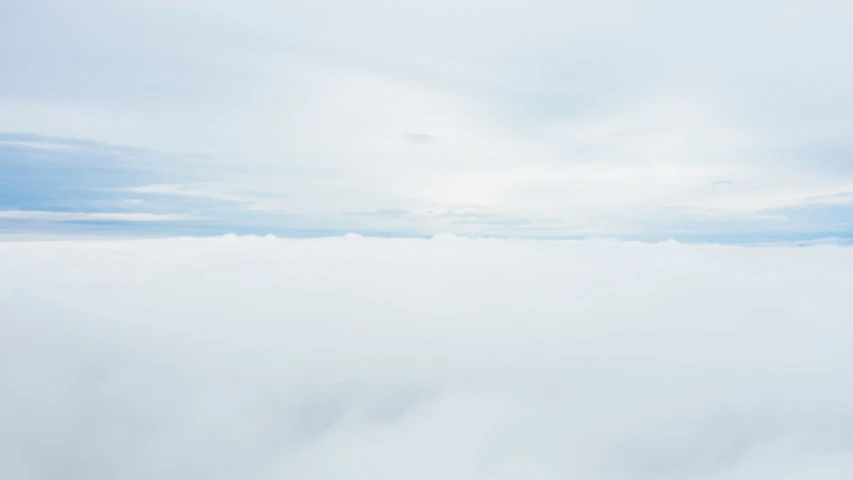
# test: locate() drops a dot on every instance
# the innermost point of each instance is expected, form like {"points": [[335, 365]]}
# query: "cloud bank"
{"points": [[334, 358]]}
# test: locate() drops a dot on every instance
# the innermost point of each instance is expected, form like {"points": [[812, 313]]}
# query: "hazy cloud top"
{"points": [[260, 358]]}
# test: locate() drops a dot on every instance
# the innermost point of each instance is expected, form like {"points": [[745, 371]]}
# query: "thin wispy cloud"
{"points": [[74, 216], [418, 138]]}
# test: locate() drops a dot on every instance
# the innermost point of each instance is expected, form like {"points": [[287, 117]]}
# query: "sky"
{"points": [[260, 358], [701, 122]]}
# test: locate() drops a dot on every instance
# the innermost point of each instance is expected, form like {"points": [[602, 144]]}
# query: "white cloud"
{"points": [[197, 191], [840, 198], [261, 358], [104, 216]]}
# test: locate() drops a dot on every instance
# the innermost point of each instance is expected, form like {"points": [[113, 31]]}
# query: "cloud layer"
{"points": [[261, 358]]}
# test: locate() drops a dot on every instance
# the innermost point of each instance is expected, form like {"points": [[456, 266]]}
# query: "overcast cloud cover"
{"points": [[726, 120], [349, 357]]}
